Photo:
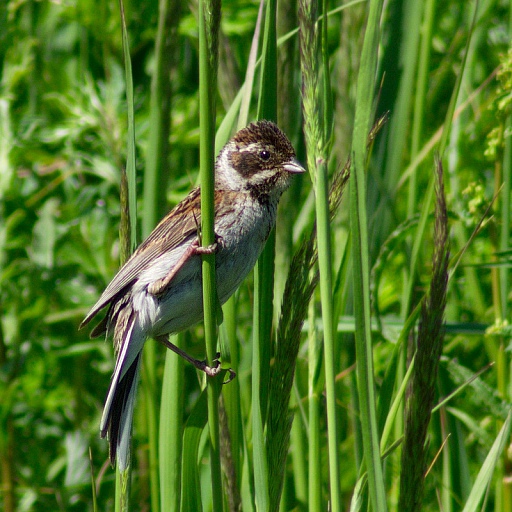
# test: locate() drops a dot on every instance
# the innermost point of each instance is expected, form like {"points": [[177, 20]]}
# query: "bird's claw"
{"points": [[216, 368], [209, 249], [212, 370]]}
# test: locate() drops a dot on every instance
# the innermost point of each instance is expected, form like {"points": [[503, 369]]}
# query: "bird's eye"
{"points": [[264, 155]]}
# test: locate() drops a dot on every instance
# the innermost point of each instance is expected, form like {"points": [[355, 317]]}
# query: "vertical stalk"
{"points": [[264, 272], [129, 245], [122, 492], [209, 18], [315, 388], [360, 258], [156, 177], [419, 98], [505, 219], [151, 412], [396, 94], [324, 264], [128, 227], [316, 139], [299, 458], [171, 430], [504, 487], [264, 278], [314, 453]]}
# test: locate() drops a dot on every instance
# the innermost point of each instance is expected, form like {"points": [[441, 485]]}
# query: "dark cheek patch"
{"points": [[246, 163]]}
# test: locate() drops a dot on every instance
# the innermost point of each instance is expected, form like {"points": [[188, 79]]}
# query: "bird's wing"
{"points": [[178, 226]]}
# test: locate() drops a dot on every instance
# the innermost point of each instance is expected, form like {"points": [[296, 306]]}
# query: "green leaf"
{"points": [[483, 480]]}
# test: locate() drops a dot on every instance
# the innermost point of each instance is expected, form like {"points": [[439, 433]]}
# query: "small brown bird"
{"points": [[159, 289]]}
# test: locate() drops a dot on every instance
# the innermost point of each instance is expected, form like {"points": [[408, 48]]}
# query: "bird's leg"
{"points": [[211, 371], [158, 287]]}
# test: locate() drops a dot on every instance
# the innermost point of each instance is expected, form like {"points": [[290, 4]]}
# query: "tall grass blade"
{"points": [[300, 284], [243, 117], [419, 98], [505, 217], [190, 477], [360, 257], [232, 429], [264, 279], [483, 479], [128, 227], [151, 399], [235, 454], [399, 59], [316, 134], [455, 94], [209, 21], [156, 177], [130, 151], [171, 430], [394, 407]]}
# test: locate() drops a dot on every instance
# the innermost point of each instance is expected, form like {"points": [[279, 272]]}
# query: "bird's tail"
{"points": [[117, 418]]}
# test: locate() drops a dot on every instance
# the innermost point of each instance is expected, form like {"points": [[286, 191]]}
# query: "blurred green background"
{"points": [[63, 132]]}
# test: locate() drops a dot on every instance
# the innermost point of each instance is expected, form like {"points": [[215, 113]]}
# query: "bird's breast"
{"points": [[241, 236], [242, 239]]}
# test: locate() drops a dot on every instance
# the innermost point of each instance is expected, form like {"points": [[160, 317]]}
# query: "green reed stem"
{"points": [[156, 177], [151, 396], [171, 429], [264, 278], [315, 132], [420, 97], [360, 258], [209, 20], [128, 227]]}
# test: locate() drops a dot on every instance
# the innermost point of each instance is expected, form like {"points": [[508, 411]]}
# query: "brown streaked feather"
{"points": [[117, 303], [178, 226]]}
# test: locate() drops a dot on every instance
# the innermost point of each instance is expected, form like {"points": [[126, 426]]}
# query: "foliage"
{"points": [[63, 143]]}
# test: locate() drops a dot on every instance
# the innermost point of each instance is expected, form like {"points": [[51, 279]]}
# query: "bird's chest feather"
{"points": [[241, 240], [241, 236]]}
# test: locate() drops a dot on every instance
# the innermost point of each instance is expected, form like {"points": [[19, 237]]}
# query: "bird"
{"points": [[158, 291]]}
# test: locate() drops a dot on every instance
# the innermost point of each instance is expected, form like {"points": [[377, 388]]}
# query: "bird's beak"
{"points": [[293, 166]]}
